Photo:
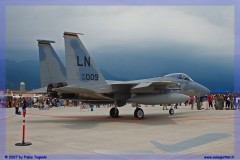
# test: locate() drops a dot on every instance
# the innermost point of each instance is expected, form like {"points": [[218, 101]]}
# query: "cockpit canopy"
{"points": [[179, 76]]}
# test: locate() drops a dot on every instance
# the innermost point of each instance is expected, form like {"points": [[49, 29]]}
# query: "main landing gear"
{"points": [[114, 112], [138, 113]]}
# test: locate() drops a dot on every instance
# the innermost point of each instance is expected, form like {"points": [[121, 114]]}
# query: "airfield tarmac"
{"points": [[66, 130]]}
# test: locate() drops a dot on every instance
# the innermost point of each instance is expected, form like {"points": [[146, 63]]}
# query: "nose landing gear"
{"points": [[171, 111]]}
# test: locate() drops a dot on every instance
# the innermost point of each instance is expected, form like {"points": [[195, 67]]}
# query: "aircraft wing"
{"points": [[155, 87], [39, 91], [134, 87]]}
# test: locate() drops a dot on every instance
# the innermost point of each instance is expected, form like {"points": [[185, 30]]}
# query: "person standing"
{"points": [[24, 106], [232, 102], [46, 105], [216, 105], [210, 99], [228, 103], [221, 102], [191, 101], [176, 106], [91, 106], [165, 107], [239, 104], [10, 103], [186, 103], [81, 106], [40, 103], [29, 102], [20, 104], [15, 105]]}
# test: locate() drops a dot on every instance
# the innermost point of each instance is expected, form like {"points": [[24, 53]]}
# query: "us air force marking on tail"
{"points": [[86, 62]]}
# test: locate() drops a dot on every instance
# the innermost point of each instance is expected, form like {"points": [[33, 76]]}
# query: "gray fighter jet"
{"points": [[168, 89], [85, 81]]}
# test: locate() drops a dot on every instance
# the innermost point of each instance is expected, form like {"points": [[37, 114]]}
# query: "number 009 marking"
{"points": [[91, 77]]}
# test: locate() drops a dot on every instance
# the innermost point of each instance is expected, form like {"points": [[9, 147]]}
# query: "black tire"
{"points": [[171, 111], [114, 112], [138, 113]]}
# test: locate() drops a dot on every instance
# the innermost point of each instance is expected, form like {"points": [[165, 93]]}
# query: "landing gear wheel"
{"points": [[138, 113], [114, 112], [171, 111]]}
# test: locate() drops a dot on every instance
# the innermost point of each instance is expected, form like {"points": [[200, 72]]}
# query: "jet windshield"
{"points": [[185, 77], [179, 76]]}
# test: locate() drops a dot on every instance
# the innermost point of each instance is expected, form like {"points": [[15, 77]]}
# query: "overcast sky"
{"points": [[133, 27], [150, 33]]}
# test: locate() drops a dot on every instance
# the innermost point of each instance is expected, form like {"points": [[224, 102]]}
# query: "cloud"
{"points": [[209, 28], [133, 42]]}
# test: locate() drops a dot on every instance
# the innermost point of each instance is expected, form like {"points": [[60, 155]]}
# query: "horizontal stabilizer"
{"points": [[39, 91]]}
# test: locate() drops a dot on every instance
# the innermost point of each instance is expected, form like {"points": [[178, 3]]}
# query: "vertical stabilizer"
{"points": [[80, 66], [52, 69]]}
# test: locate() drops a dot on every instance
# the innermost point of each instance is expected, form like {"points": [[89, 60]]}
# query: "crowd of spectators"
{"points": [[217, 101]]}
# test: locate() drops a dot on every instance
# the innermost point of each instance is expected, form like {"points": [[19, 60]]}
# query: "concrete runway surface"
{"points": [[66, 130]]}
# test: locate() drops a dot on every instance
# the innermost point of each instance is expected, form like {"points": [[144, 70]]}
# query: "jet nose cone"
{"points": [[204, 90]]}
